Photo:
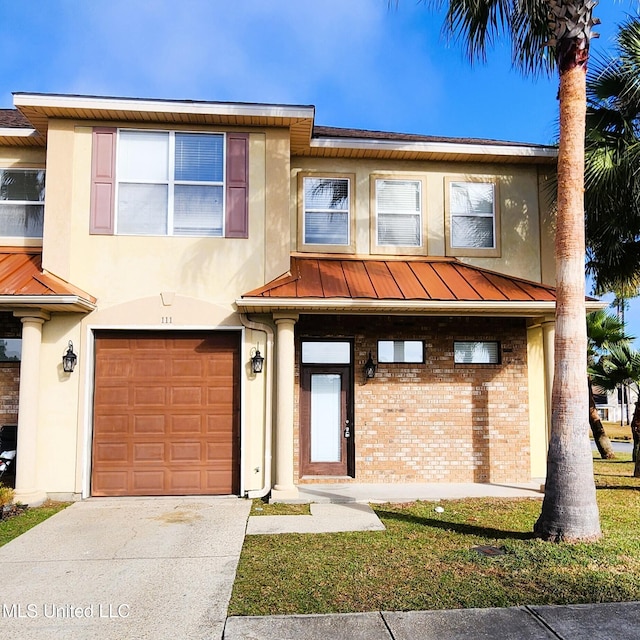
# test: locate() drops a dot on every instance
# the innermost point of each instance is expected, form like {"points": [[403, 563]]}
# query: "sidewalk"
{"points": [[615, 621]]}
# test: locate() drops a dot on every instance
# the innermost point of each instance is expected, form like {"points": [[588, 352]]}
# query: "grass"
{"points": [[260, 508], [617, 432], [17, 525], [426, 559]]}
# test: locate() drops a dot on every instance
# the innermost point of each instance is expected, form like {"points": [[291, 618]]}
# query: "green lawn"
{"points": [[426, 560], [17, 525]]}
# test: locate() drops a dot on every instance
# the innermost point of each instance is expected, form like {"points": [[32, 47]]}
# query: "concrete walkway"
{"points": [[124, 568], [381, 493], [595, 622]]}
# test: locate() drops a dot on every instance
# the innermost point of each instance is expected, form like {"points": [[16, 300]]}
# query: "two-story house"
{"points": [[398, 287]]}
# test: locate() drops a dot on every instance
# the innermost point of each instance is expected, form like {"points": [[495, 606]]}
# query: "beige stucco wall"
{"points": [[537, 401], [521, 207], [173, 283]]}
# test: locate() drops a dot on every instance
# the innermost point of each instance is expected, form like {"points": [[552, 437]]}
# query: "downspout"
{"points": [[268, 435]]}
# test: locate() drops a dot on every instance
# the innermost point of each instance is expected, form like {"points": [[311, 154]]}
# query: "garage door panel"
{"points": [[186, 396], [186, 482], [166, 414], [182, 452], [182, 425], [217, 478], [150, 396], [149, 424], [111, 452], [144, 452], [116, 395], [111, 424], [187, 368], [219, 453], [111, 483], [150, 482]]}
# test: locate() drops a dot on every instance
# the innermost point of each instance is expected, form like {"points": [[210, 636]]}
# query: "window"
{"points": [[21, 202], [10, 349], [476, 352], [404, 351], [170, 183], [326, 352], [472, 218], [326, 217], [398, 213]]}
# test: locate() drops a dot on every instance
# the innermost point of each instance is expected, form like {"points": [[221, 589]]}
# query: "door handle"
{"points": [[347, 429]]}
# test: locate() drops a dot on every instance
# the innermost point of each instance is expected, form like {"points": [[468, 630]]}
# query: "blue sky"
{"points": [[365, 64]]}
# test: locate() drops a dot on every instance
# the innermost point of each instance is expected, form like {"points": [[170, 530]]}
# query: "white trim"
{"points": [[18, 300], [163, 106], [469, 148], [457, 307], [13, 132]]}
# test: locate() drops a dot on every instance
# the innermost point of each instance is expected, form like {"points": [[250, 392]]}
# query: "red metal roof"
{"points": [[383, 279], [22, 278], [437, 286]]}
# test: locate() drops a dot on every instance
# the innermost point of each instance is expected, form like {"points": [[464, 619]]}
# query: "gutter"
{"points": [[268, 420], [418, 307], [44, 301]]}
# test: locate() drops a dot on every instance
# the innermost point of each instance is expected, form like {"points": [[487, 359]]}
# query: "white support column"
{"points": [[284, 487], [27, 490]]}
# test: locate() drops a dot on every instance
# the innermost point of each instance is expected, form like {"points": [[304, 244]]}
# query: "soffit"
{"points": [[421, 285], [305, 139], [16, 130], [39, 108], [24, 284], [334, 142]]}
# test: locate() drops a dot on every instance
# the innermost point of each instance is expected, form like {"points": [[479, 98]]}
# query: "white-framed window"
{"points": [[476, 352], [401, 351], [326, 352], [472, 215], [326, 218], [398, 205], [21, 202], [170, 183]]}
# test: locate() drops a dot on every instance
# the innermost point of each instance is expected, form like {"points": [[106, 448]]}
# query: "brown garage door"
{"points": [[166, 414]]}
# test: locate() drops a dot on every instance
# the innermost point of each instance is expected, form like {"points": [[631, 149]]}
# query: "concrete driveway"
{"points": [[124, 568]]}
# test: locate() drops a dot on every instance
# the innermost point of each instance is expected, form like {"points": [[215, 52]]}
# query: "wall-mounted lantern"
{"points": [[369, 368], [69, 359], [256, 360]]}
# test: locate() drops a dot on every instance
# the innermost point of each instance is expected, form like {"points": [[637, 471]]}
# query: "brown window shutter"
{"points": [[237, 214], [103, 164]]}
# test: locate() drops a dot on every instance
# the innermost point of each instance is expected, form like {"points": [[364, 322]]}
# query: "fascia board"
{"points": [[13, 132], [509, 308], [523, 151], [163, 106], [46, 301]]}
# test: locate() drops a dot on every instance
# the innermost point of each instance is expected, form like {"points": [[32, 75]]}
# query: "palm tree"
{"points": [[546, 35], [612, 157], [621, 366], [604, 330]]}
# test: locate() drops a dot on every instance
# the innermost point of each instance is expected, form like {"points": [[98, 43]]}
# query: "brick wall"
{"points": [[10, 327], [435, 422]]}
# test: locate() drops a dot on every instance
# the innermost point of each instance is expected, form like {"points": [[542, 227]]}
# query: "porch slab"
{"points": [[381, 493]]}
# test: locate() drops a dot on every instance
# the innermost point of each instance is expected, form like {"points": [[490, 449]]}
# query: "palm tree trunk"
{"points": [[599, 436], [569, 509]]}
